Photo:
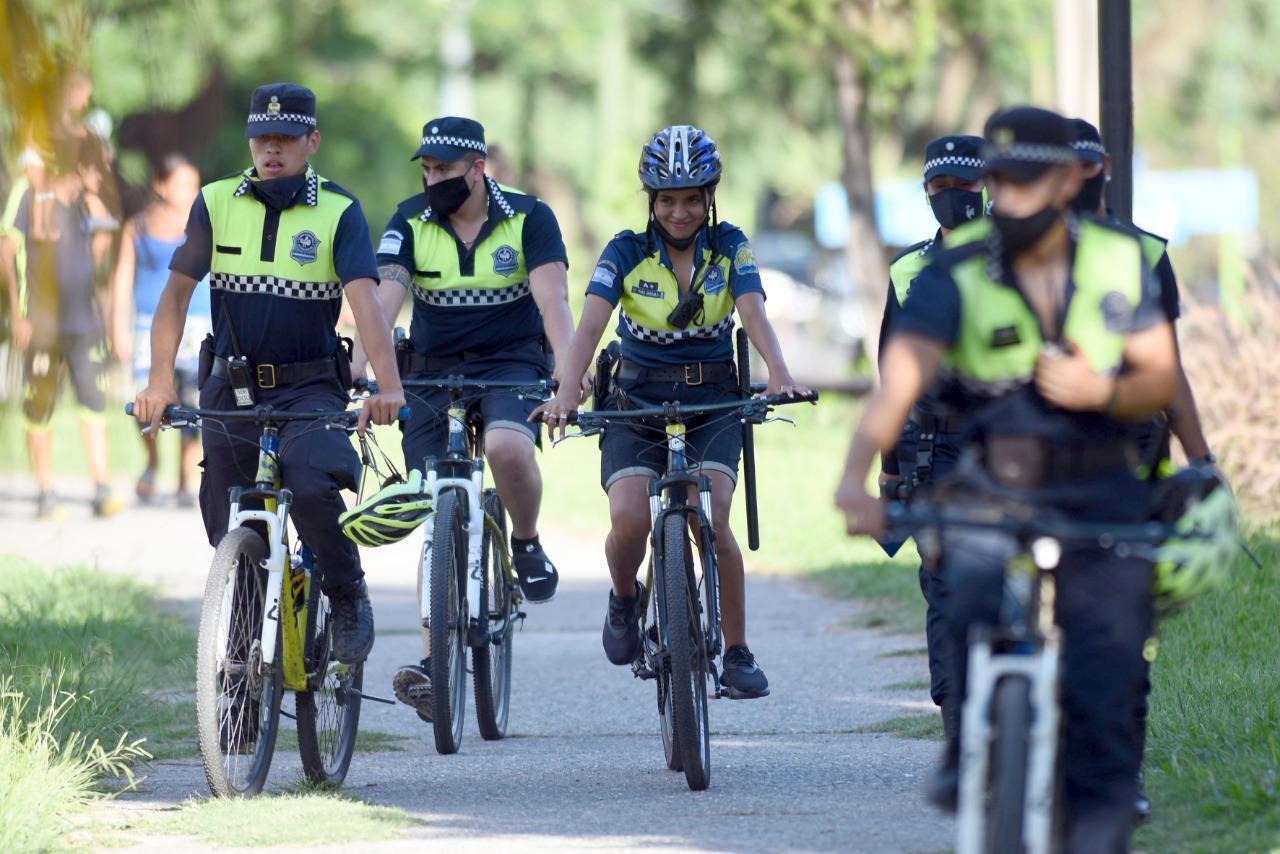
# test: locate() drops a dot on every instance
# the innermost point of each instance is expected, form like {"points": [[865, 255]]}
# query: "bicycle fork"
{"points": [[473, 488], [275, 520], [986, 669]]}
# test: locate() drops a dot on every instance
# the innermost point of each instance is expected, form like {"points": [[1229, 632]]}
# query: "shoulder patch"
{"points": [[744, 260], [326, 184], [412, 206], [391, 242]]}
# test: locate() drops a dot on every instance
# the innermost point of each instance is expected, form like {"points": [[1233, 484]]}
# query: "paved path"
{"points": [[582, 768]]}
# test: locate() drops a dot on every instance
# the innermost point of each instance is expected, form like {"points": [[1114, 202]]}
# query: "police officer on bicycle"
{"points": [[678, 282], [1050, 328], [487, 268], [281, 245], [928, 447]]}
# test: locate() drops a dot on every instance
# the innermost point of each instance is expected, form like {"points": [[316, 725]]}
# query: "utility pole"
{"points": [[1115, 76]]}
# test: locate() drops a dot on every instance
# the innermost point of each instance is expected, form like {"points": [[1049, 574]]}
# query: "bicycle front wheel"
{"points": [[1011, 708], [328, 713], [237, 695], [491, 662], [687, 653], [448, 622]]}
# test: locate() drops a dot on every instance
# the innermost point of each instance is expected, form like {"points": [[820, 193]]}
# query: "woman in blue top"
{"points": [[142, 268], [682, 248]]}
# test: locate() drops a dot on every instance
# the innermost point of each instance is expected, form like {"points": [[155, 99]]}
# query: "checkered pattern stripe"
{"points": [[454, 297], [311, 197], [955, 160], [457, 141], [1089, 145], [274, 286], [948, 375], [1031, 153], [655, 336], [495, 193], [299, 118]]}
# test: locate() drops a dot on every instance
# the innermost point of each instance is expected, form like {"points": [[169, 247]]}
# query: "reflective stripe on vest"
{"points": [[302, 265], [499, 274], [999, 338]]}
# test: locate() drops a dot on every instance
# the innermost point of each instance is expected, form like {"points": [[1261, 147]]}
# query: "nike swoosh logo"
{"points": [[537, 578]]}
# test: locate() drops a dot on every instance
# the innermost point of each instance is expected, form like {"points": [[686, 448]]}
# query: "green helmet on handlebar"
{"points": [[389, 515], [1200, 506]]}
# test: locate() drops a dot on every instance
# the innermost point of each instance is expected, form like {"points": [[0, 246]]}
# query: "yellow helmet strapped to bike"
{"points": [[389, 515], [1200, 506]]}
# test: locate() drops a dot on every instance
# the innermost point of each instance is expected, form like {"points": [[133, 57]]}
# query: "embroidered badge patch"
{"points": [[744, 261], [646, 289], [505, 260], [305, 247], [391, 242], [714, 282], [604, 276], [1117, 311]]}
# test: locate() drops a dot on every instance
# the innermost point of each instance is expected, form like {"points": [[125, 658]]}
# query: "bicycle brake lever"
{"points": [[783, 418]]}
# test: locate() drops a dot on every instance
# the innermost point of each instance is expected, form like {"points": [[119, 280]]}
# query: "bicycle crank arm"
{"points": [[369, 697]]}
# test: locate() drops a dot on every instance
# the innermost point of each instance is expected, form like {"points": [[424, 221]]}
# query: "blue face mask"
{"points": [[955, 206]]}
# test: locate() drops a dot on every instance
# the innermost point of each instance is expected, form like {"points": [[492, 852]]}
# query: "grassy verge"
{"points": [[84, 657], [927, 727]]}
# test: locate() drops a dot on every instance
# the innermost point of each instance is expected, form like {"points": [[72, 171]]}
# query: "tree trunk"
{"points": [[863, 252]]}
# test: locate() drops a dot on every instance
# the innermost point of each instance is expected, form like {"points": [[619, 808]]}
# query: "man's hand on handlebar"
{"points": [[382, 407], [555, 412], [152, 401]]}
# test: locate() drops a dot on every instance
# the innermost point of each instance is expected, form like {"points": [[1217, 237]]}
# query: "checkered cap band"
{"points": [[456, 141], [1089, 145], [657, 336], [297, 118], [275, 286], [455, 297], [955, 160], [1030, 152]]}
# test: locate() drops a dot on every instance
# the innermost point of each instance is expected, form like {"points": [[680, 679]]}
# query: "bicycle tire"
{"points": [[687, 655], [491, 663], [448, 623], [236, 744], [1011, 709], [665, 714], [328, 714]]}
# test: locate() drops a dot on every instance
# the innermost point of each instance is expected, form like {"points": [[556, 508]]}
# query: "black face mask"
{"points": [[1018, 234], [445, 197], [955, 206], [1090, 197], [277, 193], [678, 243]]}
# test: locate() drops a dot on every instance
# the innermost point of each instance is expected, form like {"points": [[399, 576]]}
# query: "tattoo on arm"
{"points": [[395, 273]]}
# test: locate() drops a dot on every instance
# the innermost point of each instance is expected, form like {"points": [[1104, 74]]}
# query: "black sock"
{"points": [[519, 545]]}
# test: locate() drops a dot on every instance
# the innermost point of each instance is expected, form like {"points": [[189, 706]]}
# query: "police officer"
{"points": [[1182, 418], [281, 246], [488, 272], [1051, 373], [953, 183]]}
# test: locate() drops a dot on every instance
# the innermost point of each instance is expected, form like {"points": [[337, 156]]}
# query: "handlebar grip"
{"points": [[404, 414], [128, 409]]}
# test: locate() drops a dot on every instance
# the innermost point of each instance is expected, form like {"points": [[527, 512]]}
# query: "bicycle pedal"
{"points": [[641, 670]]}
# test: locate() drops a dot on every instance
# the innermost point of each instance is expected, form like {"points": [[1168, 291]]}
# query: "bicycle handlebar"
{"points": [[752, 408], [901, 516], [458, 383], [266, 415]]}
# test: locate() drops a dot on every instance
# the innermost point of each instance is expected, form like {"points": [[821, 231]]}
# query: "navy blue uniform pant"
{"points": [[315, 464]]}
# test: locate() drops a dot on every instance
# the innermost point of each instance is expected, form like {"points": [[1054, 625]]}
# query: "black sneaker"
{"points": [[412, 684], [47, 507], [352, 616], [943, 788], [1141, 803], [741, 678], [622, 626], [537, 574], [105, 503]]}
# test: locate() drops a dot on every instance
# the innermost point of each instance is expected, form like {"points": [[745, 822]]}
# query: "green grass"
{"points": [[367, 741], [910, 685], [1213, 752], [926, 727], [303, 818], [84, 657]]}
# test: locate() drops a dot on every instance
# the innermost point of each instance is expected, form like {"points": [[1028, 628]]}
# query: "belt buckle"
{"points": [[262, 382], [687, 375]]}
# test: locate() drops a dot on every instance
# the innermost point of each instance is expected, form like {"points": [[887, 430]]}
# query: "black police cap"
{"points": [[959, 156], [1088, 143], [1026, 142], [284, 108], [450, 137]]}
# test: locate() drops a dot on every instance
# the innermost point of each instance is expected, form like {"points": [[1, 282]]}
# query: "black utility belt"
{"points": [[416, 363], [1026, 461], [929, 422], [268, 376], [698, 373]]}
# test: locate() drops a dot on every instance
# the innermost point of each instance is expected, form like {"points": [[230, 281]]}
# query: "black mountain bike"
{"points": [[680, 630]]}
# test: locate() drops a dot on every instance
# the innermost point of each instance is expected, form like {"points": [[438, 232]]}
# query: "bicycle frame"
{"points": [[1036, 643], [275, 515]]}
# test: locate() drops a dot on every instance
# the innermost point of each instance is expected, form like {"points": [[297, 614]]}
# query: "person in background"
{"points": [[147, 245]]}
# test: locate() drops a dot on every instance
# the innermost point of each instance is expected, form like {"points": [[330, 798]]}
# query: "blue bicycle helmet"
{"points": [[679, 157]]}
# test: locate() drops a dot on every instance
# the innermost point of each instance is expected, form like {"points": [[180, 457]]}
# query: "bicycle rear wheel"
{"points": [[491, 663], [329, 713], [448, 622], [1011, 708], [687, 648], [237, 698]]}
